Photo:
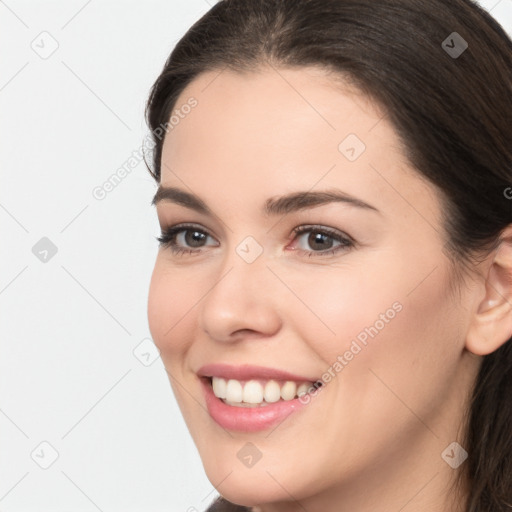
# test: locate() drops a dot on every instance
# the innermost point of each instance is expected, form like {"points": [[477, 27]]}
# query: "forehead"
{"points": [[285, 129], [271, 114], [271, 102]]}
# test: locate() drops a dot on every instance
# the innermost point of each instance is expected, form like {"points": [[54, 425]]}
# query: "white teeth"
{"points": [[233, 391], [219, 388], [272, 391], [255, 392], [302, 389], [288, 390]]}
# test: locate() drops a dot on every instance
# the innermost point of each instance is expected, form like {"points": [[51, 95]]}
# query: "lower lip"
{"points": [[247, 419]]}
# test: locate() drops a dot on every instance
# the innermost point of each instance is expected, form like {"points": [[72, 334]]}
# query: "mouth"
{"points": [[251, 398], [259, 392]]}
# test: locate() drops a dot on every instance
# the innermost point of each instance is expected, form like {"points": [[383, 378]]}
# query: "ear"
{"points": [[491, 325]]}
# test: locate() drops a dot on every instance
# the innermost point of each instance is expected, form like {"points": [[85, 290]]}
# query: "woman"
{"points": [[332, 295]]}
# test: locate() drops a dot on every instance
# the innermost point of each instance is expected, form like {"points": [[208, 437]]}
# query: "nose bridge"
{"points": [[242, 275], [241, 297]]}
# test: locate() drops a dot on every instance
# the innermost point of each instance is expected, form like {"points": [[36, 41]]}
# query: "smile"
{"points": [[249, 398], [254, 393]]}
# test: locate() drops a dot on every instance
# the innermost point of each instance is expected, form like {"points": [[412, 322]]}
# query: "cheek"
{"points": [[413, 357], [394, 316], [171, 300], [339, 306]]}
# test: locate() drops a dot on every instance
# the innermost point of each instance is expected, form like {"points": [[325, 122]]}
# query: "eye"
{"points": [[190, 239], [321, 240], [183, 239]]}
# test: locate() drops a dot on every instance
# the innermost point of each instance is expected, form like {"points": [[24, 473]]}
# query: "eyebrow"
{"points": [[273, 206]]}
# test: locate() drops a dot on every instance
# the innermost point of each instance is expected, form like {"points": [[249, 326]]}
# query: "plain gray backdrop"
{"points": [[87, 416]]}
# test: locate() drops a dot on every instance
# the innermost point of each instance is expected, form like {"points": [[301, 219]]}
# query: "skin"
{"points": [[372, 438]]}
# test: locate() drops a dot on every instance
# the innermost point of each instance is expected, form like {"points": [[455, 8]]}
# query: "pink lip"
{"points": [[248, 372], [248, 419]]}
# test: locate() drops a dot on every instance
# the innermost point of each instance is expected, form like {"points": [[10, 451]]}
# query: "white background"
{"points": [[69, 326]]}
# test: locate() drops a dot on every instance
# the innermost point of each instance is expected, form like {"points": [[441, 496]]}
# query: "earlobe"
{"points": [[491, 325]]}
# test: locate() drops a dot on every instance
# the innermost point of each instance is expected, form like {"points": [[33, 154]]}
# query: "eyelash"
{"points": [[167, 239]]}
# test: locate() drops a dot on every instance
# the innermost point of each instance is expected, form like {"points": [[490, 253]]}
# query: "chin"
{"points": [[249, 486], [249, 493]]}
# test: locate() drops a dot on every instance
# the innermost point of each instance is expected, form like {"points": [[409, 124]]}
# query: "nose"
{"points": [[241, 302]]}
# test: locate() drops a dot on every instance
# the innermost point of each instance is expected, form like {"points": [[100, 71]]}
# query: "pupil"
{"points": [[191, 240], [320, 239]]}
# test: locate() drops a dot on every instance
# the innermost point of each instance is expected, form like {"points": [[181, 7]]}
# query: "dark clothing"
{"points": [[223, 505]]}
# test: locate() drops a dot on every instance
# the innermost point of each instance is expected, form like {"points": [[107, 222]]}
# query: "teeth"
{"points": [[272, 391], [219, 388], [233, 391], [288, 390], [254, 392], [302, 389]]}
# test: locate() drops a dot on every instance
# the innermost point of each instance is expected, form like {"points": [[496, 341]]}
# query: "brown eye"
{"points": [[184, 239], [318, 240], [194, 238]]}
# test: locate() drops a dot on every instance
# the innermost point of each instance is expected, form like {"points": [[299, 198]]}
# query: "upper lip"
{"points": [[248, 372]]}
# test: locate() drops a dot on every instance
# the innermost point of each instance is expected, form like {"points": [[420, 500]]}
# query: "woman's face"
{"points": [[360, 300]]}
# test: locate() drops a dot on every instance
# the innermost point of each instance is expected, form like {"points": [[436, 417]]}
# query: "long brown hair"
{"points": [[442, 71]]}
